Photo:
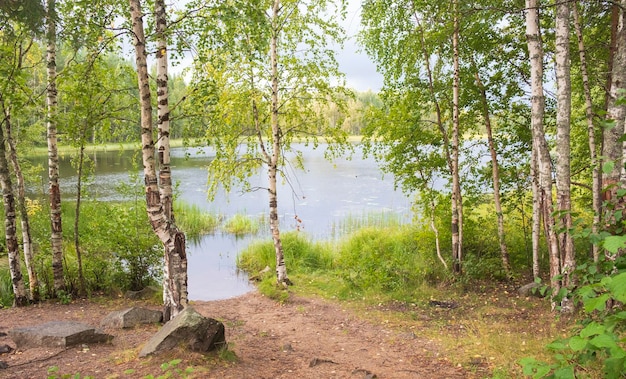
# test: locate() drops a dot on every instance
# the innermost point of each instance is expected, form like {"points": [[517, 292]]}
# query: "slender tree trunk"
{"points": [[433, 226], [444, 136], [33, 294], [175, 278], [495, 173], [615, 22], [53, 158], [536, 216], [457, 201], [281, 268], [27, 240], [10, 224], [172, 242], [563, 121], [544, 164], [613, 150], [595, 169], [79, 188]]}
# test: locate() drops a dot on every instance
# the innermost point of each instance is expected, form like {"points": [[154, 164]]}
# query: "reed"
{"points": [[371, 219], [241, 225], [194, 221]]}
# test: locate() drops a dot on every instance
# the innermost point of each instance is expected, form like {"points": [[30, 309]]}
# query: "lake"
{"points": [[324, 196]]}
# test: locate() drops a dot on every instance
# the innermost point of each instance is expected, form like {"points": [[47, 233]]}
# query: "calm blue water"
{"points": [[322, 196]]}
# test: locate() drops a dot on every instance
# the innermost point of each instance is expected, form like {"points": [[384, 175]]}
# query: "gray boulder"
{"points": [[57, 334], [190, 330], [130, 317], [530, 289]]}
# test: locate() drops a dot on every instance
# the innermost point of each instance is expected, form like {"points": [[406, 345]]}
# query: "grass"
{"points": [[353, 223], [194, 221], [391, 276], [241, 225]]}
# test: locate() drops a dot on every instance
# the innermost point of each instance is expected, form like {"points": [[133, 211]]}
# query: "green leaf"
{"points": [[617, 286], [596, 303], [607, 167], [564, 373], [577, 343], [534, 368], [603, 341], [557, 345], [614, 243], [614, 367], [592, 329]]}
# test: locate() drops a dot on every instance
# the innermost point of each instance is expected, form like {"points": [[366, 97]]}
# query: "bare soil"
{"points": [[301, 338]]}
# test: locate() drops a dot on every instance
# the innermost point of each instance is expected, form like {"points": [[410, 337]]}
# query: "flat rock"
{"points": [[190, 330], [57, 334], [530, 289], [130, 317]]}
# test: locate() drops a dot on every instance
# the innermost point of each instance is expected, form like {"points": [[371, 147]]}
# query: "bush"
{"points": [[390, 259]]}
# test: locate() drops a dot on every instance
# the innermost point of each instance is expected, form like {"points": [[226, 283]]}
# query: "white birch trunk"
{"points": [[173, 243], [563, 151], [613, 149], [596, 186], [536, 216], [495, 175], [281, 268], [175, 267], [10, 225], [457, 201], [544, 166], [56, 237]]}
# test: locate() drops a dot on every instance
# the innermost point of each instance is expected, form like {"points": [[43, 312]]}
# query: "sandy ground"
{"points": [[302, 338]]}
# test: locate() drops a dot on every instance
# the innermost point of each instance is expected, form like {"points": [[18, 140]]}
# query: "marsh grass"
{"points": [[373, 219], [194, 221], [240, 225]]}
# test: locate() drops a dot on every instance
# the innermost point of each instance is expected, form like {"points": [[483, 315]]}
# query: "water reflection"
{"points": [[323, 197]]}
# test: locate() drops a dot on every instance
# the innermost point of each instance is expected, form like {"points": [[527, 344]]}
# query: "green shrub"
{"points": [[6, 287]]}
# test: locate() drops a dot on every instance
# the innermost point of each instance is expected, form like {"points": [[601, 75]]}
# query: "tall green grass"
{"points": [[396, 261], [6, 287], [240, 225], [375, 219], [194, 221]]}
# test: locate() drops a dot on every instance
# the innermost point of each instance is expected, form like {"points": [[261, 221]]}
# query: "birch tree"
{"points": [[563, 121], [56, 237], [542, 163], [591, 134], [271, 59], [612, 146], [158, 192], [409, 51]]}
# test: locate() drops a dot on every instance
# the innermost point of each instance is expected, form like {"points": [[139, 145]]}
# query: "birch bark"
{"points": [[173, 240], [175, 278], [613, 149], [10, 224], [596, 186], [563, 151], [56, 237], [495, 173], [457, 201], [543, 166], [281, 268]]}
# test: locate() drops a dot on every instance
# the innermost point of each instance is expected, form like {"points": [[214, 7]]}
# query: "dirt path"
{"points": [[304, 338]]}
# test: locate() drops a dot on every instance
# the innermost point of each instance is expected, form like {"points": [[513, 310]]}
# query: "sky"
{"points": [[360, 71]]}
